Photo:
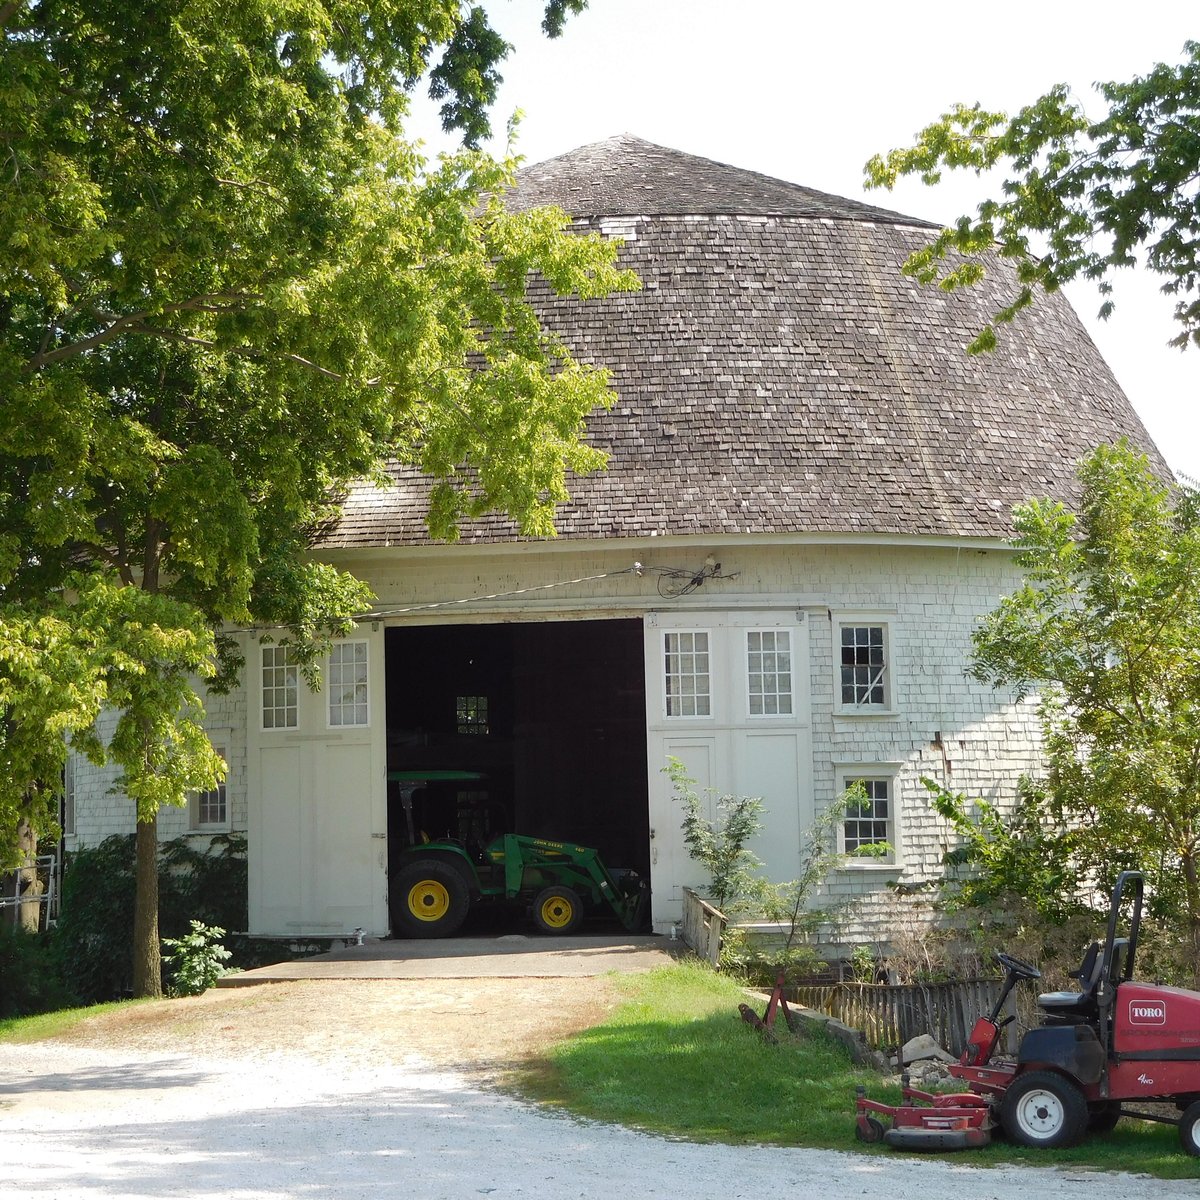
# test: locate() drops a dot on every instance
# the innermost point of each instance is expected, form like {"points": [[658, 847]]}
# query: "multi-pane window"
{"points": [[868, 819], [689, 691], [769, 672], [347, 684], [863, 678], [210, 810], [280, 688], [471, 714]]}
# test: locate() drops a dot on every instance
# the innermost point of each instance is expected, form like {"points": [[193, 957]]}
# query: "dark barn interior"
{"points": [[534, 728]]}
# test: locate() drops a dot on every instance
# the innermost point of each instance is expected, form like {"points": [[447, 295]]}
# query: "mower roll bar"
{"points": [[1106, 986]]}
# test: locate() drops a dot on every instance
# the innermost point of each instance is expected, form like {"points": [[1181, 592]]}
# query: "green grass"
{"points": [[676, 1058], [54, 1024]]}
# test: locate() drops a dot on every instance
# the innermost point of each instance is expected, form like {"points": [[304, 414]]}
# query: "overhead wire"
{"points": [[672, 582]]}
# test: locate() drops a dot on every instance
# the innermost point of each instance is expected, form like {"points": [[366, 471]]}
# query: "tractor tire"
{"points": [[1189, 1129], [1044, 1110], [431, 899], [557, 910]]}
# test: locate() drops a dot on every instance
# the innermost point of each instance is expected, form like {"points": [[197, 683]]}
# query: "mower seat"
{"points": [[1070, 1008]]}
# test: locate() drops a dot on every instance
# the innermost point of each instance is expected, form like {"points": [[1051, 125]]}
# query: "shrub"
{"points": [[208, 886], [737, 888], [194, 960], [32, 982], [93, 942]]}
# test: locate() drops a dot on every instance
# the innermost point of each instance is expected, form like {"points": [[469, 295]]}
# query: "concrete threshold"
{"points": [[509, 956]]}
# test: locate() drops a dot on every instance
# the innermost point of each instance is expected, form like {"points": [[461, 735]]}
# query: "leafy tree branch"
{"points": [[1082, 198]]}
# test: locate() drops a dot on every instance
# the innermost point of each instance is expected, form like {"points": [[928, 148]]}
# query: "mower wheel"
{"points": [[1189, 1129], [1044, 1110], [557, 910], [431, 899], [872, 1133]]}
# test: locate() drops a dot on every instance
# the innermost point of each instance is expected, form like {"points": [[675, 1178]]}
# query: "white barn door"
{"points": [[317, 792], [728, 695]]}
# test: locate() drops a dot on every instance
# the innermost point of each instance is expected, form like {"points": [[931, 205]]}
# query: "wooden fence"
{"points": [[890, 1014], [702, 926]]}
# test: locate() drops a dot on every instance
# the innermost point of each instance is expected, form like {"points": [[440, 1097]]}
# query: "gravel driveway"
{"points": [[329, 1108]]}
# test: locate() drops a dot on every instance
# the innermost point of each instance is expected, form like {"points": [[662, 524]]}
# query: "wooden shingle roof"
{"points": [[627, 176], [778, 374]]}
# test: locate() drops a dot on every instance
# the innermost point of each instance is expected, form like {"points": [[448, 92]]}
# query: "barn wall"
{"points": [[103, 810], [942, 724]]}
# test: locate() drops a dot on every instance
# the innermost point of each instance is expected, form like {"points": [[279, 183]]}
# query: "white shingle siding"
{"points": [[101, 810], [931, 598]]}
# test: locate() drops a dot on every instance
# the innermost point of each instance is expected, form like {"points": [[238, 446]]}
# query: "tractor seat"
{"points": [[1071, 1007]]}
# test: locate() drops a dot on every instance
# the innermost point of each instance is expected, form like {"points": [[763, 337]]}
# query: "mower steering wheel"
{"points": [[1018, 967]]}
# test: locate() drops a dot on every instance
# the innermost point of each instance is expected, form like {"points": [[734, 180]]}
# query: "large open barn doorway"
{"points": [[534, 728]]}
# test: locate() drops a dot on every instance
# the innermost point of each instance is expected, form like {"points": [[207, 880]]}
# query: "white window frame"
{"points": [[845, 774], [366, 683], [270, 648], [776, 631], [664, 643], [868, 620], [196, 799]]}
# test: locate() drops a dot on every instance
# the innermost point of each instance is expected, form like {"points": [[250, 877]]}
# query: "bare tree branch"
{"points": [[119, 323]]}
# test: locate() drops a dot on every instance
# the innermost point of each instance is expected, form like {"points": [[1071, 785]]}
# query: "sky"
{"points": [[808, 93]]}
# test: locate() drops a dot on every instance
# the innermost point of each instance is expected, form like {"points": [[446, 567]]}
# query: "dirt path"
{"points": [[476, 1027]]}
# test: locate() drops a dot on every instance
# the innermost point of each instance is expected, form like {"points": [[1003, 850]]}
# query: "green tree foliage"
{"points": [[1107, 628], [1010, 862], [1093, 193], [229, 286]]}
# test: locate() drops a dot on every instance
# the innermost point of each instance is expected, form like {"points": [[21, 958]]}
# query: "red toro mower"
{"points": [[1113, 1042]]}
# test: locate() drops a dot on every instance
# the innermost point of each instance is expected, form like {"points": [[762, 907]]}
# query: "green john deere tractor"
{"points": [[436, 883]]}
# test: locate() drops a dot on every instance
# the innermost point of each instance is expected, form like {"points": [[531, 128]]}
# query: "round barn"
{"points": [[775, 580]]}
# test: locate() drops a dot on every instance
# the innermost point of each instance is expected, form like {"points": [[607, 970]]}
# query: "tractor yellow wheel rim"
{"points": [[428, 900], [557, 912]]}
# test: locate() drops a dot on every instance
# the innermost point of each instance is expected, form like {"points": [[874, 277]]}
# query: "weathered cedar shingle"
{"points": [[778, 374]]}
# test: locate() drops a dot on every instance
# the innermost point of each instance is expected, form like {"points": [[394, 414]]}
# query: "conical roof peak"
{"points": [[626, 175]]}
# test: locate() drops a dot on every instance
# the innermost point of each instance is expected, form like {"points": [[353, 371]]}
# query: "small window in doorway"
{"points": [[348, 684], [472, 714], [769, 672], [280, 688], [688, 681]]}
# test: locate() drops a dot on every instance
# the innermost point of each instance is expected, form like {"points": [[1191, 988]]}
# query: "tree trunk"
{"points": [[1191, 890], [29, 886], [147, 953]]}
